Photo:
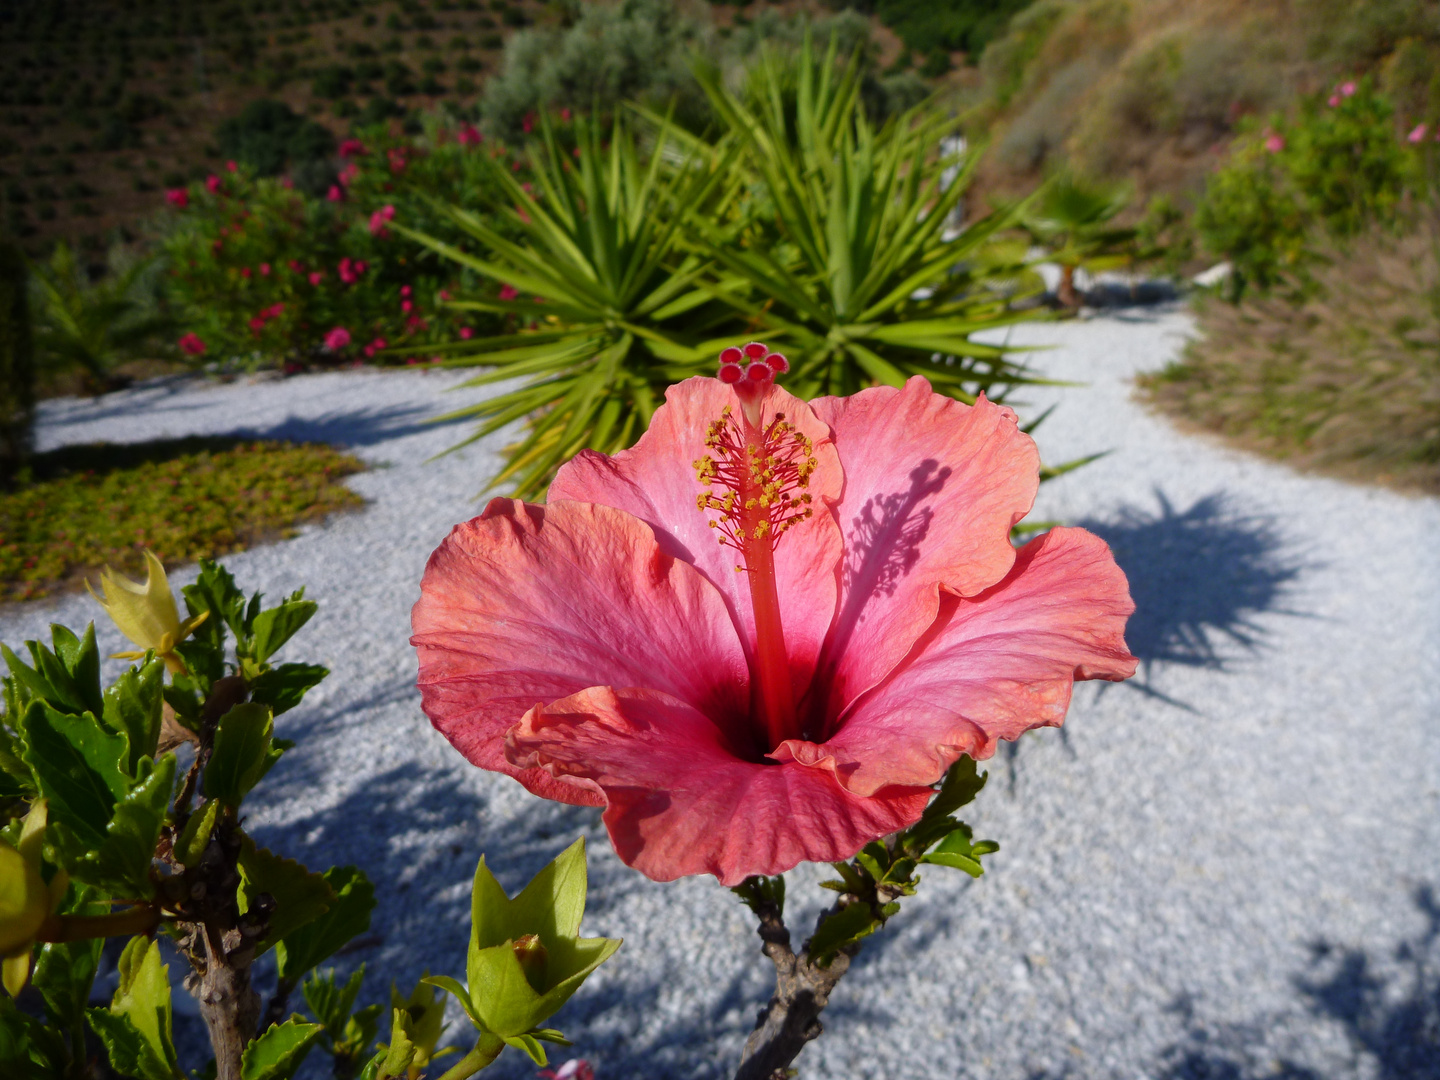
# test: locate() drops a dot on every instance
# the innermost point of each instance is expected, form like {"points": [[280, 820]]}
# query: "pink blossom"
{"points": [[217, 246], [527, 125], [369, 350], [316, 276], [231, 166], [468, 135], [405, 290], [274, 311], [178, 198], [264, 269], [565, 115], [347, 271], [190, 343], [1347, 89], [466, 333], [574, 1069], [335, 194], [602, 650], [212, 184], [379, 343], [350, 148], [407, 306], [397, 160], [508, 292], [296, 266], [337, 339], [1334, 100], [379, 218], [444, 296], [245, 271], [415, 322], [1417, 134], [1274, 143], [257, 324], [349, 173], [287, 183]]}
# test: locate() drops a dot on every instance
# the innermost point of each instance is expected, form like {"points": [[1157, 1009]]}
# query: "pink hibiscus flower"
{"points": [[178, 198], [337, 339], [603, 649], [190, 343]]}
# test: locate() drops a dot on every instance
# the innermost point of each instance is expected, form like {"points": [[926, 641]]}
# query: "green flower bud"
{"points": [[526, 956], [26, 902]]}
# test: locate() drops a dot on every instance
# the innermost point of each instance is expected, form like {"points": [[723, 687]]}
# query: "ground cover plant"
{"points": [[108, 834], [1340, 373], [84, 507]]}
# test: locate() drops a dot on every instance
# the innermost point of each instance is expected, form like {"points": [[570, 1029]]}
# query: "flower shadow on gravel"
{"points": [[1200, 577]]}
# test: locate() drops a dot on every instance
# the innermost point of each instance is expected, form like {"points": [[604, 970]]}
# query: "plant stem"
{"points": [[802, 990], [275, 1010], [487, 1049], [140, 919]]}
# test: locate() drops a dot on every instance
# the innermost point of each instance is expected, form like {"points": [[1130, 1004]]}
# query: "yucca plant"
{"points": [[608, 306], [852, 265]]}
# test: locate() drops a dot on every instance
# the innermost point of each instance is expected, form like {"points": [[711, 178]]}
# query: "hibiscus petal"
{"points": [[991, 667], [528, 604], [655, 481], [681, 801], [932, 487]]}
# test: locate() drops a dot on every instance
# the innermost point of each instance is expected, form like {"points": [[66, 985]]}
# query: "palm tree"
{"points": [[1072, 219]]}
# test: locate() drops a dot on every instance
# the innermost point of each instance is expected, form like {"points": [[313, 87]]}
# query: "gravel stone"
{"points": [[1225, 868]]}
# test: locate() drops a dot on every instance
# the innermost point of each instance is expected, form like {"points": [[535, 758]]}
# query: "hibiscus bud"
{"points": [[515, 982], [533, 960], [146, 614], [26, 902]]}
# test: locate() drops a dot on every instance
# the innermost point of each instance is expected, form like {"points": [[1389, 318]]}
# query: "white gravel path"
{"points": [[1223, 869]]}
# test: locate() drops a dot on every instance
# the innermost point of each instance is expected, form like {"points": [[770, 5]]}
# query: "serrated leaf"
{"points": [[273, 628], [195, 837], [136, 1027], [331, 1004], [393, 1060], [847, 925], [120, 863], [300, 896], [962, 783], [29, 1049], [29, 684], [347, 917], [240, 753], [65, 971], [283, 687], [214, 591], [133, 706], [81, 660], [276, 1054], [875, 859], [77, 763]]}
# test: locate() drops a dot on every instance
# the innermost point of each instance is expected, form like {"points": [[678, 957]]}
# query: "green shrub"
{"points": [[1339, 166], [268, 135], [92, 506]]}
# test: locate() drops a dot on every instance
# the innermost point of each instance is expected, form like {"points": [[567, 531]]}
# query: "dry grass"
{"points": [[1344, 381]]}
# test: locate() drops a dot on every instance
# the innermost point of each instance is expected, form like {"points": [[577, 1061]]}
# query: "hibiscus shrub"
{"points": [[107, 834], [263, 274]]}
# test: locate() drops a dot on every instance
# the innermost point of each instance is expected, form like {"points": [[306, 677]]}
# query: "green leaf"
{"points": [[459, 993], [845, 927], [195, 837], [120, 864], [133, 707], [273, 628], [957, 850], [347, 917], [240, 753], [214, 591], [65, 971], [282, 687], [962, 783], [530, 1045], [330, 1003], [300, 896], [81, 660], [276, 1054], [393, 1060], [29, 1048], [136, 1028], [77, 762]]}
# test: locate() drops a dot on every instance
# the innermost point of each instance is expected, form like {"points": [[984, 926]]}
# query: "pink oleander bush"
{"points": [[262, 274]]}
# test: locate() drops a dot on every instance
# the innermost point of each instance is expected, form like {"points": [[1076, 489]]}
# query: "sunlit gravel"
{"points": [[1229, 867]]}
